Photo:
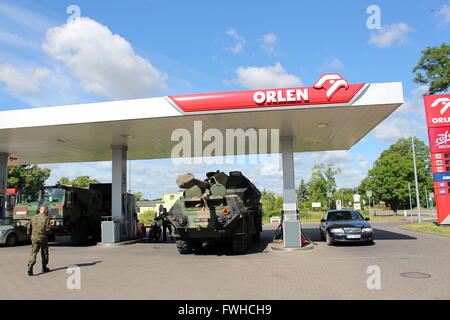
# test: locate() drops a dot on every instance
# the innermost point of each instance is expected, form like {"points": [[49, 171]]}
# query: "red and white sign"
{"points": [[439, 139], [437, 110], [329, 89]]}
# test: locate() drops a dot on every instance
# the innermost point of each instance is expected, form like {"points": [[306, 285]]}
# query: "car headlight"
{"points": [[366, 230], [337, 230]]}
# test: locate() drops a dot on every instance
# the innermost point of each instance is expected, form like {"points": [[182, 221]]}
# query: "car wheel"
{"points": [[11, 241], [328, 239], [370, 243]]}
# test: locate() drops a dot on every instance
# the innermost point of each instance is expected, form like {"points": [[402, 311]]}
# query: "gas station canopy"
{"points": [[331, 115]]}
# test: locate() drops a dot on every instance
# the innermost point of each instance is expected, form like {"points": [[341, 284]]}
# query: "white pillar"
{"points": [[119, 181], [291, 222], [3, 181]]}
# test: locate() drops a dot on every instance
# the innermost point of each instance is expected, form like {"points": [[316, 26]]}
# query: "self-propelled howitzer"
{"points": [[220, 208]]}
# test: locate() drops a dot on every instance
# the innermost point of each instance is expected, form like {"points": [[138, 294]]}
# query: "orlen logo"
{"points": [[331, 82], [445, 102]]}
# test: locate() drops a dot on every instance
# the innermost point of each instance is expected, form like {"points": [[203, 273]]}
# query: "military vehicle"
{"points": [[73, 211], [220, 208]]}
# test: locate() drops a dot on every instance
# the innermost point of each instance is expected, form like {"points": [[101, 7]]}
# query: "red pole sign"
{"points": [[437, 109]]}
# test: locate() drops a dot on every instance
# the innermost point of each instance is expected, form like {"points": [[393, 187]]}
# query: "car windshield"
{"points": [[28, 195], [344, 215], [41, 196], [52, 195]]}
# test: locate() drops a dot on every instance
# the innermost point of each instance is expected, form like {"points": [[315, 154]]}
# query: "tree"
{"points": [[81, 181], [271, 204], [302, 193], [436, 63], [323, 180], [139, 196], [393, 170], [22, 175]]}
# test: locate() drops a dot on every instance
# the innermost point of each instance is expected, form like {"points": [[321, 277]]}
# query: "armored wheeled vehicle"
{"points": [[220, 208]]}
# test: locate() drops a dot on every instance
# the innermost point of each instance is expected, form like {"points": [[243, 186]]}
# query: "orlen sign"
{"points": [[330, 88], [437, 109]]}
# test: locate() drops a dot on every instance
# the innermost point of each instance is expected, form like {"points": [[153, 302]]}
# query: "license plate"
{"points": [[354, 236]]}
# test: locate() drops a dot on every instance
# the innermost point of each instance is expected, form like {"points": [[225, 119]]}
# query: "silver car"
{"points": [[11, 234]]}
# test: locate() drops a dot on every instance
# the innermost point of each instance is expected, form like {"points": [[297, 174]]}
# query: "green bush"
{"points": [[146, 217]]}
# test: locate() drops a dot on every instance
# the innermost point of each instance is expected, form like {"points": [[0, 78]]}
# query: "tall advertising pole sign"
{"points": [[437, 109]]}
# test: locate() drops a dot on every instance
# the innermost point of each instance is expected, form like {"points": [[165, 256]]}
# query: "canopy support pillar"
{"points": [[291, 222]]}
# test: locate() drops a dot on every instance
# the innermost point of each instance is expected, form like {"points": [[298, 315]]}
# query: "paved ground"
{"points": [[157, 271]]}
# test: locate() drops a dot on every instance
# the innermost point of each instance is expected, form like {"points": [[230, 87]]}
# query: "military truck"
{"points": [[73, 211], [220, 208]]}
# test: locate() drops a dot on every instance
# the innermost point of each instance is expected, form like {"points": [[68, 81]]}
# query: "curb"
{"points": [[425, 232], [121, 243]]}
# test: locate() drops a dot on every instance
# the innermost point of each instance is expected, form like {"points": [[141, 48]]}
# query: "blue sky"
{"points": [[178, 47]]}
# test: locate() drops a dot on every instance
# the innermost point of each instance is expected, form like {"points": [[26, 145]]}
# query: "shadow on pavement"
{"points": [[378, 234], [88, 264]]}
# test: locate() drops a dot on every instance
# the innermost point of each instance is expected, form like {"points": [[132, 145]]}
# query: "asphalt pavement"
{"points": [[401, 265]]}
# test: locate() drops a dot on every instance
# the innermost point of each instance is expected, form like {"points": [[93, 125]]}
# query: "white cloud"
{"points": [[414, 104], [104, 63], [393, 129], [388, 35], [16, 40], [22, 81], [240, 41], [269, 41], [402, 122], [331, 64], [444, 13], [266, 77]]}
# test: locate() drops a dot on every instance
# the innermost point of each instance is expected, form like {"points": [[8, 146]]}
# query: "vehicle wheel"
{"points": [[240, 244], [328, 239], [51, 238], [184, 247], [370, 243], [321, 236], [11, 241]]}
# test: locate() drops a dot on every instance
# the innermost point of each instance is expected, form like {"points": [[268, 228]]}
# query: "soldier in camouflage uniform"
{"points": [[39, 228]]}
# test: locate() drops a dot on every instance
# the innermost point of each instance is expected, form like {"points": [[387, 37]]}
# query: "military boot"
{"points": [[30, 269], [45, 268]]}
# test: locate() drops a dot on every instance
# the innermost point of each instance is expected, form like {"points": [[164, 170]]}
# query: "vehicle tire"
{"points": [[322, 237], [240, 244], [11, 240], [51, 238], [184, 247], [370, 243], [328, 239]]}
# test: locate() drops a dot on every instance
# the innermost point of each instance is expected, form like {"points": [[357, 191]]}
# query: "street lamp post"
{"points": [[369, 195], [329, 194], [415, 178]]}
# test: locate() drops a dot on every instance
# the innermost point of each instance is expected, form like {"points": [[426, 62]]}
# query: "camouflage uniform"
{"points": [[39, 227]]}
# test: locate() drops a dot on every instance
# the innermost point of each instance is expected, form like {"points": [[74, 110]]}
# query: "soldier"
{"points": [[39, 228], [162, 215]]}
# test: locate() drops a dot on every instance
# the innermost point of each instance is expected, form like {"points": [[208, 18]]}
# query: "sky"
{"points": [[69, 52]]}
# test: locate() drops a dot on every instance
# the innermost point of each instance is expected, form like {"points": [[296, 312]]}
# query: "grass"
{"points": [[427, 227], [311, 216]]}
